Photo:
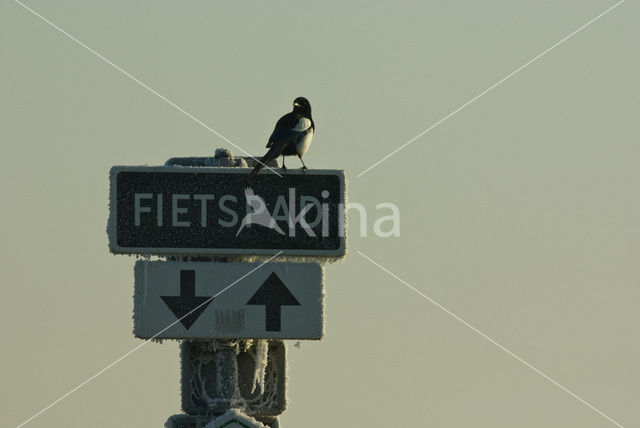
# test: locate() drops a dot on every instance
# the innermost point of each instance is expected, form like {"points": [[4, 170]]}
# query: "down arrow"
{"points": [[187, 307], [273, 294]]}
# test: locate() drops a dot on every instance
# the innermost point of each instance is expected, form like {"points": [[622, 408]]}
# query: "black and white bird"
{"points": [[292, 135]]}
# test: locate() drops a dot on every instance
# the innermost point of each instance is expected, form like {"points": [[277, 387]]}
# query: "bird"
{"points": [[291, 136]]}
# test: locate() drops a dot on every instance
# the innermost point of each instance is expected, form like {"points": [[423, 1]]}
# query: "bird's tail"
{"points": [[272, 154], [258, 167]]}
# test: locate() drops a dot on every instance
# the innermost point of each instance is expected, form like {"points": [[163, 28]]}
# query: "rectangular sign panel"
{"points": [[205, 210], [205, 300]]}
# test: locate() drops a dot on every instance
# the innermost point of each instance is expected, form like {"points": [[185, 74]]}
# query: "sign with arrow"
{"points": [[204, 300], [206, 210], [273, 294], [187, 307]]}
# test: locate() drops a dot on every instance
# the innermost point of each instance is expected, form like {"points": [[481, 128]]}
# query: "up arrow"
{"points": [[187, 307], [273, 294]]}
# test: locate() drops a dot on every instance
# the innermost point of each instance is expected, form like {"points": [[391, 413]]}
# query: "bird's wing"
{"points": [[275, 149], [289, 128]]}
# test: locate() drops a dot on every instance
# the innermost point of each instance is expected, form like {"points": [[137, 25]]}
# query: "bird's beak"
{"points": [[296, 104]]}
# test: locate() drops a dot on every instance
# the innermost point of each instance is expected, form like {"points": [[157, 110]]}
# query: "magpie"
{"points": [[291, 136]]}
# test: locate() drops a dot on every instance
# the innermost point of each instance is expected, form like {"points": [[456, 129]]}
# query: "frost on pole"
{"points": [[206, 386]]}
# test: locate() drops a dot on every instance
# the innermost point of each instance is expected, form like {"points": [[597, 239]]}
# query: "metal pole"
{"points": [[210, 379]]}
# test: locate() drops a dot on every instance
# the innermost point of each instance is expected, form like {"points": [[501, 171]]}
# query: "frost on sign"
{"points": [[259, 384], [202, 210]]}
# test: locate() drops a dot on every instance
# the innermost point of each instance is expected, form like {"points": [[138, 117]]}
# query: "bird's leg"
{"points": [[304, 167], [284, 167]]}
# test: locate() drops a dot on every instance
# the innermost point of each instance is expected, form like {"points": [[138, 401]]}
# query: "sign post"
{"points": [[208, 225]]}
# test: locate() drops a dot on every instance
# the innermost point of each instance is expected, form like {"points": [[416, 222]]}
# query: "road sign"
{"points": [[234, 419], [182, 300], [193, 421], [205, 210]]}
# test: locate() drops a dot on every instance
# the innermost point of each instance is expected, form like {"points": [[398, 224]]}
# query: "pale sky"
{"points": [[519, 213]]}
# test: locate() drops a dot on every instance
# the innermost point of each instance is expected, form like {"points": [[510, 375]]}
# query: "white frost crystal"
{"points": [[262, 349]]}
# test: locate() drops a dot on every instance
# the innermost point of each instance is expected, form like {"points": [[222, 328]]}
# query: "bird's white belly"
{"points": [[303, 145]]}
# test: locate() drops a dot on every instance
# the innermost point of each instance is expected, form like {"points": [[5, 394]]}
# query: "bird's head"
{"points": [[302, 105]]}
